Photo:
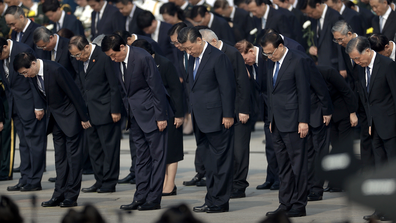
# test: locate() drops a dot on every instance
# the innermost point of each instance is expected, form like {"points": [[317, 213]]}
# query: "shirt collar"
{"points": [[155, 34], [342, 8], [372, 61], [324, 12], [11, 43], [257, 54], [392, 56], [357, 8], [211, 19], [295, 4], [232, 15], [276, 6], [266, 12], [132, 11], [127, 55], [41, 70], [102, 9], [388, 11], [92, 50], [290, 8], [62, 18], [221, 45], [27, 25], [283, 57], [203, 51], [184, 6], [5, 8], [201, 2], [57, 42]]}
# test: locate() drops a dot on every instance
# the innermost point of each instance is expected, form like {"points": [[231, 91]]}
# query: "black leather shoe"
{"points": [[173, 192], [105, 190], [132, 206], [52, 179], [89, 189], [376, 216], [264, 186], [17, 170], [270, 213], [149, 206], [15, 187], [218, 209], [127, 180], [296, 213], [238, 194], [202, 208], [193, 181], [68, 203], [275, 186], [314, 197], [201, 183], [29, 187], [52, 203]]}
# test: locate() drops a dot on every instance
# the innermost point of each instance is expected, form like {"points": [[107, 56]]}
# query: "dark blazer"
{"points": [[389, 29], [242, 24], [223, 30], [212, 95], [366, 17], [170, 79], [242, 97], [112, 20], [289, 101], [144, 93], [292, 44], [27, 37], [381, 99], [100, 88], [64, 100], [328, 51], [343, 98], [301, 18], [133, 27], [353, 19], [153, 44], [295, 25], [276, 21], [71, 23], [20, 91]]}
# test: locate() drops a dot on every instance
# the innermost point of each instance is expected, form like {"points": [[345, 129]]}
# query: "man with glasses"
{"points": [[289, 103], [103, 99], [26, 108]]}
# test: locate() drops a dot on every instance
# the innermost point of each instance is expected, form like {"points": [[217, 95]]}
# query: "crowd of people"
{"points": [[316, 72]]}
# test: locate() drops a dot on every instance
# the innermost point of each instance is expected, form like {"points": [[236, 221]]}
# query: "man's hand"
{"points": [[162, 125], [178, 122], [354, 119], [116, 117], [313, 51], [326, 119], [86, 124], [39, 114], [243, 117], [369, 130], [270, 128], [1, 126], [228, 122], [343, 73], [302, 129]]}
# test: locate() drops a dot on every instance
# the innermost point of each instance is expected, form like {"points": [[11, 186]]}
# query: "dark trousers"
{"points": [[384, 149], [132, 149], [318, 142], [272, 163], [150, 162], [241, 154], [218, 162], [199, 161], [32, 148], [104, 152], [7, 140], [292, 160], [68, 163], [366, 144]]}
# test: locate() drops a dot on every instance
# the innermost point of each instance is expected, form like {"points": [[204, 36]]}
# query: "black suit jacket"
{"points": [[366, 17], [295, 25], [289, 100], [27, 37], [223, 30], [64, 100], [212, 94], [100, 88], [71, 23], [170, 79], [292, 44], [276, 21], [343, 98], [389, 29], [133, 27], [242, 25], [353, 19], [112, 20], [301, 18], [20, 91], [381, 99]]}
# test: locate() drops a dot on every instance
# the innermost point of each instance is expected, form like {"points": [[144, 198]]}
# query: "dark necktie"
{"points": [[20, 36], [124, 71], [58, 27], [196, 67], [318, 29], [276, 74], [8, 68], [368, 78], [255, 68], [186, 61], [41, 84], [97, 22]]}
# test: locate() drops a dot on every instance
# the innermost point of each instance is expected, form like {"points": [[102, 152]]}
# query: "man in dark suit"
{"points": [[130, 12], [103, 99], [61, 20], [26, 109], [350, 16], [145, 100], [243, 105], [105, 18], [383, 22], [239, 19], [289, 114], [202, 17], [22, 27], [55, 48], [379, 81], [322, 20], [380, 44], [212, 99], [268, 17], [66, 118]]}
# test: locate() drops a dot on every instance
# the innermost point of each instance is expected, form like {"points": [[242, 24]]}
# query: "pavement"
{"points": [[333, 208]]}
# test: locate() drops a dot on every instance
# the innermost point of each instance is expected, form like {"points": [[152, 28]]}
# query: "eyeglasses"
{"points": [[269, 54], [174, 43], [41, 47], [78, 55], [24, 73], [338, 40]]}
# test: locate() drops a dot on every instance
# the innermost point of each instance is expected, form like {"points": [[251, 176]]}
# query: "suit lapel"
{"points": [[131, 61], [59, 51], [205, 59], [282, 68], [325, 26], [26, 34], [391, 19], [374, 72], [91, 61]]}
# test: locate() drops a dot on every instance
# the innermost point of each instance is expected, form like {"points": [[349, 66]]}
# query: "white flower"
{"points": [[306, 24], [253, 31], [50, 26]]}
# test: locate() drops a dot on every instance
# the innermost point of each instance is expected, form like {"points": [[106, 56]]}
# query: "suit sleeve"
{"points": [[115, 94], [226, 82], [303, 91]]}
